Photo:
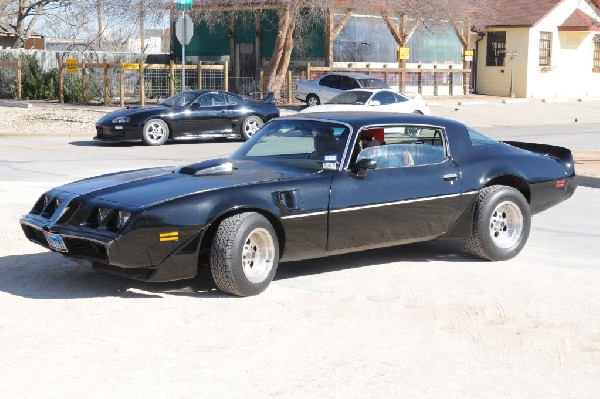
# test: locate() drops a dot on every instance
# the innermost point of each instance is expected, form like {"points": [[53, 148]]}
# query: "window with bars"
{"points": [[496, 49], [597, 51], [545, 48]]}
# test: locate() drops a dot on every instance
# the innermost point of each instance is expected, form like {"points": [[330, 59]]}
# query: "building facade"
{"points": [[541, 49]]}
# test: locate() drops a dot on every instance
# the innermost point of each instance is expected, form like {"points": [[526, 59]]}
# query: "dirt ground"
{"points": [[417, 321]]}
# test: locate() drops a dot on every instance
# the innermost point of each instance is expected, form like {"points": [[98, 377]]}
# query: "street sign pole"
{"points": [[183, 53]]}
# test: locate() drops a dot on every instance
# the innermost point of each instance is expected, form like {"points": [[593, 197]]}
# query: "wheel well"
{"points": [[514, 182], [204, 251]]}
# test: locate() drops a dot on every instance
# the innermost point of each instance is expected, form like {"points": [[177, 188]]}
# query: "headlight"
{"points": [[103, 213], [121, 119], [122, 219]]}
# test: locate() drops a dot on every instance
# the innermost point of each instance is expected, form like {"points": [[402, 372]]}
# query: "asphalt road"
{"points": [[423, 320]]}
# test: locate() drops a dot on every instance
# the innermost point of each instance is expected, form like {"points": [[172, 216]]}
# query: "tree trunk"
{"points": [[284, 45], [100, 26], [142, 25]]}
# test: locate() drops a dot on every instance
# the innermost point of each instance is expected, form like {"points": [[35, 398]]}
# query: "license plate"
{"points": [[55, 242]]}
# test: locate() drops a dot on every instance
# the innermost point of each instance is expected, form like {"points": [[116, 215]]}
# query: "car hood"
{"points": [[135, 111], [146, 187]]}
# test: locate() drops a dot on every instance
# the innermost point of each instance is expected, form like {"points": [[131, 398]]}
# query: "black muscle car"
{"points": [[188, 115], [305, 187]]}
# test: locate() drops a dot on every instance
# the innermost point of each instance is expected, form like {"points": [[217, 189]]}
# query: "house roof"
{"points": [[579, 22], [524, 12]]}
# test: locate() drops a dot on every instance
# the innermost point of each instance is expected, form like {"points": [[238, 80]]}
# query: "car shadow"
{"points": [[96, 143], [49, 275]]}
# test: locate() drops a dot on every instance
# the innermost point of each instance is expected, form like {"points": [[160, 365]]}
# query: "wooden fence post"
{"points": [[61, 71], [121, 83], [450, 81], [289, 91], [142, 84], [105, 84], [83, 82], [171, 78], [199, 75], [420, 80], [261, 82], [19, 88], [226, 75], [435, 81], [308, 70]]}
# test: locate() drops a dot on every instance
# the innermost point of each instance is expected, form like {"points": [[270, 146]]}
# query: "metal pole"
{"points": [[511, 93], [183, 52]]}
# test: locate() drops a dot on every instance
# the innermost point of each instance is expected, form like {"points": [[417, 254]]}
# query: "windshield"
{"points": [[180, 99], [303, 143], [351, 97], [373, 83]]}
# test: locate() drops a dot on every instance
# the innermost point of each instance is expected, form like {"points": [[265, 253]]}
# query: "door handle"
{"points": [[450, 176]]}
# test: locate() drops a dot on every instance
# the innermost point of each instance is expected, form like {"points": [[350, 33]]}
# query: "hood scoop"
{"points": [[214, 167]]}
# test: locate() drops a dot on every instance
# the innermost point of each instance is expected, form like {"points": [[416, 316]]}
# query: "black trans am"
{"points": [[188, 115], [304, 187]]}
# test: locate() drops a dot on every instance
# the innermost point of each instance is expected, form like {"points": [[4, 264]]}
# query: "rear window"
{"points": [[373, 83], [478, 138]]}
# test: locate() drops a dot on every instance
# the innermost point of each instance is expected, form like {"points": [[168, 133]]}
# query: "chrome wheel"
{"points": [[506, 224], [156, 132], [251, 125], [258, 254]]}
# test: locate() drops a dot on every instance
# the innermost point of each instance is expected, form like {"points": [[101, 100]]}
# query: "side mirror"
{"points": [[375, 103], [361, 167]]}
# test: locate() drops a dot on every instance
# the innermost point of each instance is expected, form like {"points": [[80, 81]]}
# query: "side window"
{"points": [[496, 48], [478, 138], [206, 100], [347, 83], [384, 97], [231, 100], [407, 146], [332, 81], [400, 98], [219, 99]]}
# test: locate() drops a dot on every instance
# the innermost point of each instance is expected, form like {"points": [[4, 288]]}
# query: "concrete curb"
{"points": [[16, 104]]}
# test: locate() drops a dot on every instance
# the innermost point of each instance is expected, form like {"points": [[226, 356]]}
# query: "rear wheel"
{"points": [[250, 126], [312, 100], [502, 222], [244, 254], [156, 132]]}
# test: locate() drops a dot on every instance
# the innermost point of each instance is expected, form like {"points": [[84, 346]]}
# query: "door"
{"points": [[411, 195], [208, 114]]}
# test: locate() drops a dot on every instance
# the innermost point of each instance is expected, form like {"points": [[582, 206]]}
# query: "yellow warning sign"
{"points": [[131, 66], [72, 65], [469, 52], [403, 53]]}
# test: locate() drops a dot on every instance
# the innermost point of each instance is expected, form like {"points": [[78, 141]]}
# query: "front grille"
{"points": [[87, 248], [35, 235], [107, 132]]}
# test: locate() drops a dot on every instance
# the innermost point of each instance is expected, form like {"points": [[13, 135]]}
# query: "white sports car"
{"points": [[374, 100]]}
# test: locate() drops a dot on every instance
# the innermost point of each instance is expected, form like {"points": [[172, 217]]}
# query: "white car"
{"points": [[319, 91], [374, 100]]}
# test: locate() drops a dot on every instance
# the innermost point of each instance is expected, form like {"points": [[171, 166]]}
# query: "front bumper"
{"points": [[110, 132]]}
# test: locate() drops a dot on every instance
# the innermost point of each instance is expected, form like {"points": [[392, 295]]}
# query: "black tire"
{"points": [[312, 100], [244, 254], [250, 126], [501, 223], [156, 132]]}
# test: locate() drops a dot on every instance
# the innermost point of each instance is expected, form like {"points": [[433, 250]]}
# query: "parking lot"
{"points": [[421, 320]]}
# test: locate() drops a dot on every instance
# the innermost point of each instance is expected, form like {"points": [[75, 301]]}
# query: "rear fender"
{"points": [[559, 154]]}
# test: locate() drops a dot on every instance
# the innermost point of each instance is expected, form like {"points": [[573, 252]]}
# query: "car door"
{"points": [[329, 87], [206, 115], [393, 203]]}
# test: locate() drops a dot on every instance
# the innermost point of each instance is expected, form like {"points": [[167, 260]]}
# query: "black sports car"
{"points": [[304, 187], [188, 115]]}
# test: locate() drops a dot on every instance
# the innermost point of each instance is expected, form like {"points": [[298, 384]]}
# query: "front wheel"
{"points": [[250, 126], [502, 221], [244, 254], [156, 132]]}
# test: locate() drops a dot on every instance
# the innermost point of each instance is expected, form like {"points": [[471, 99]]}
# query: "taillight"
{"points": [[560, 183]]}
